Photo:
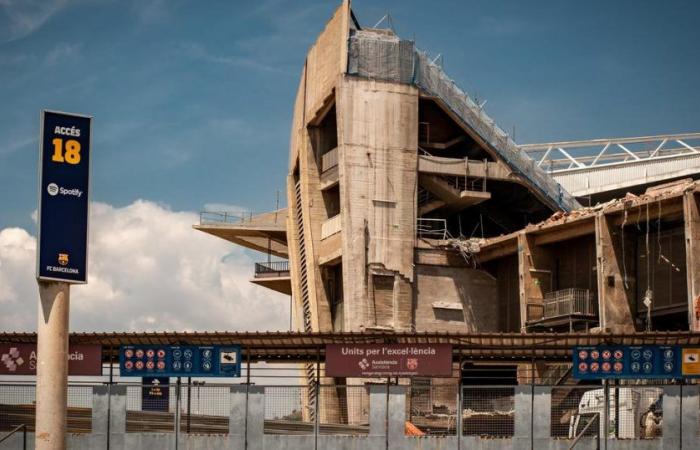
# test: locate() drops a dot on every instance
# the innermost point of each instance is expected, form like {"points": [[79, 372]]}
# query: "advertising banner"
{"points": [[20, 359], [388, 360], [64, 186]]}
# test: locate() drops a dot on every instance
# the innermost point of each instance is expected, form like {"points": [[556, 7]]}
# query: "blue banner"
{"points": [[64, 195], [179, 361], [155, 394], [627, 362]]}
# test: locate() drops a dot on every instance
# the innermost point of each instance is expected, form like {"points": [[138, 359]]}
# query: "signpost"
{"points": [[388, 360], [64, 178], [179, 361]]}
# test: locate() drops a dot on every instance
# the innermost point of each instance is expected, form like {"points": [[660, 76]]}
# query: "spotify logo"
{"points": [[52, 189]]}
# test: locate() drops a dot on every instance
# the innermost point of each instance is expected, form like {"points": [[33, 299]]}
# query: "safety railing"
{"points": [[562, 303], [272, 269], [242, 217], [431, 228]]}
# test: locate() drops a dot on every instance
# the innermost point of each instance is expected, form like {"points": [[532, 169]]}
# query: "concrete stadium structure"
{"points": [[411, 210]]}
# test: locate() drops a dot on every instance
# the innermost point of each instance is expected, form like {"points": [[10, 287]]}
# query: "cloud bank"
{"points": [[148, 270]]}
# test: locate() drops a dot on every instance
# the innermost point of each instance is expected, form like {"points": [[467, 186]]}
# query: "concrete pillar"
{"points": [[522, 433], [541, 416], [397, 417], [614, 299], [255, 427], [377, 410], [691, 214], [100, 415], [117, 417], [690, 412], [237, 417], [52, 366], [672, 417]]}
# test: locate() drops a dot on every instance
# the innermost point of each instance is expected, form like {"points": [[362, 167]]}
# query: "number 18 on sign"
{"points": [[64, 182]]}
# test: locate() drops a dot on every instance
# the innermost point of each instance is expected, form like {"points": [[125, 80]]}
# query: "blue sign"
{"points": [[627, 362], [155, 394], [64, 195], [179, 361]]}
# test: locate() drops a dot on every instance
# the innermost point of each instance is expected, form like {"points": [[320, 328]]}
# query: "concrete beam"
{"points": [[615, 285], [534, 275]]}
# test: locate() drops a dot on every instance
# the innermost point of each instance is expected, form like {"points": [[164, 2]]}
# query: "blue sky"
{"points": [[192, 100]]}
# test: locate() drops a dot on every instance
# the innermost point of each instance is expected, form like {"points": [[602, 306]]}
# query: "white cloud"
{"points": [[23, 17], [62, 52], [149, 270]]}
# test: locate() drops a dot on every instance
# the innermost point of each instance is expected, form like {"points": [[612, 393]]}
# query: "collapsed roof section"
{"points": [[380, 54]]}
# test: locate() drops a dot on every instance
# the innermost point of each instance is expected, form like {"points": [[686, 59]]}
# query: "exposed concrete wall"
{"points": [[615, 284], [377, 142], [691, 212], [534, 273], [325, 61], [475, 291]]}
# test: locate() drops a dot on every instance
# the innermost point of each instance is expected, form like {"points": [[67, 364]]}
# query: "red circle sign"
{"points": [[582, 367]]}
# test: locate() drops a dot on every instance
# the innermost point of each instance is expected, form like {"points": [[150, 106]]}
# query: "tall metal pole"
{"points": [[52, 365]]}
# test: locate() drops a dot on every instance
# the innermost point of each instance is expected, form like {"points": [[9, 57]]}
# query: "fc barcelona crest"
{"points": [[412, 363], [63, 259]]}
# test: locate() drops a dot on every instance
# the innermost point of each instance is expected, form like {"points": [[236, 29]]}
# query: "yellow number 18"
{"points": [[72, 153]]}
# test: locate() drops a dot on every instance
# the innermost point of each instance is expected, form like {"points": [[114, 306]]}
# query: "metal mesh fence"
{"points": [[155, 415], [635, 412], [289, 409], [433, 409], [572, 411], [344, 410], [18, 407], [488, 411], [205, 409]]}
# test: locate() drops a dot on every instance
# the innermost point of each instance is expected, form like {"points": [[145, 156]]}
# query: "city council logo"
{"points": [[63, 259], [52, 189]]}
